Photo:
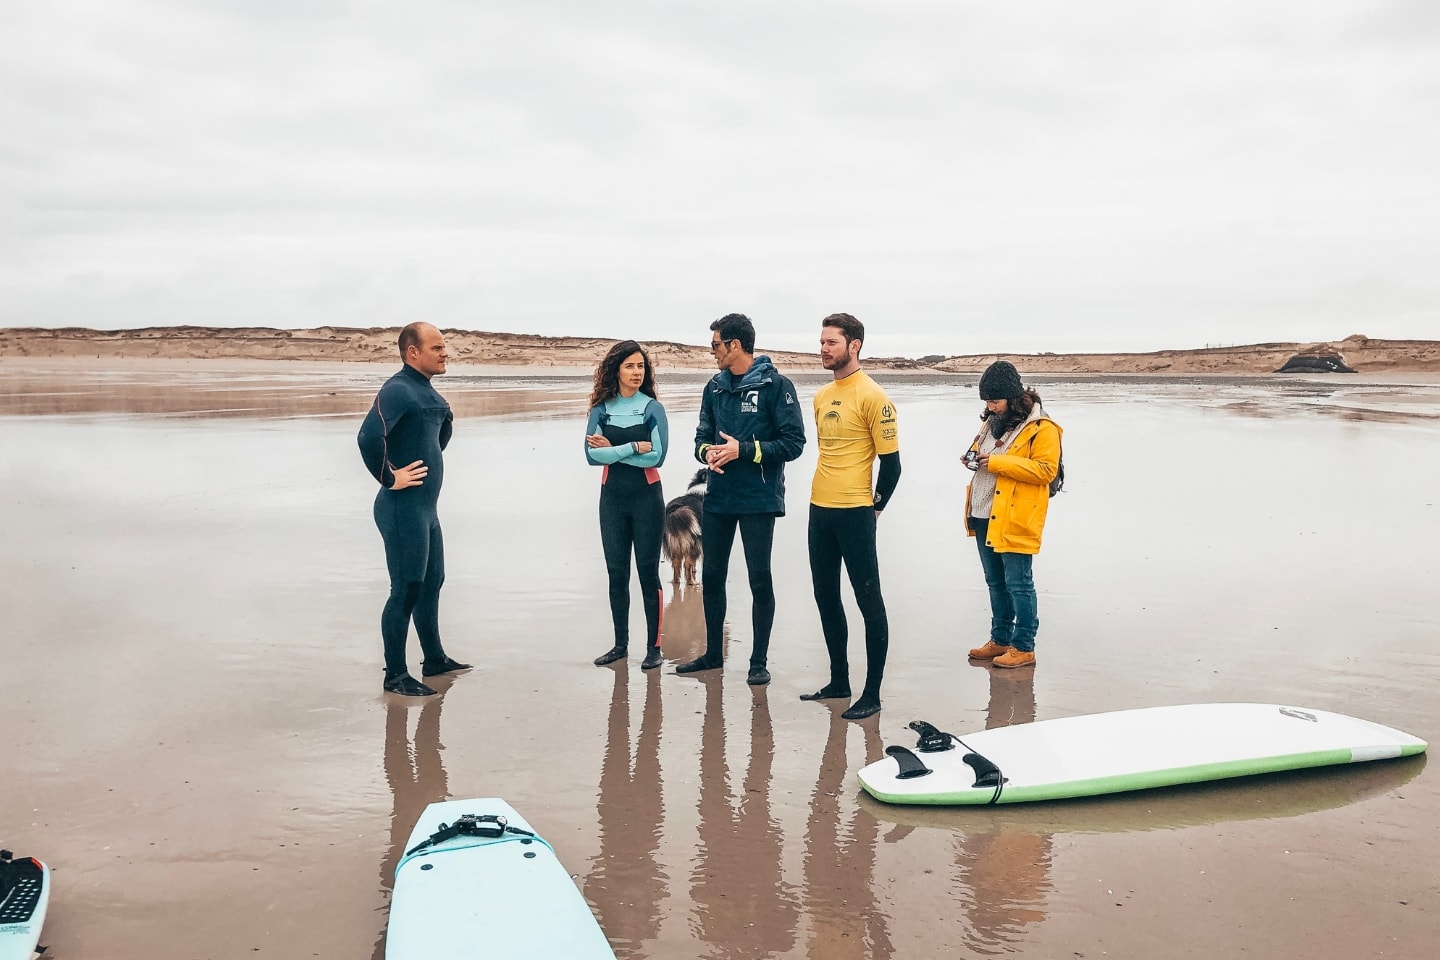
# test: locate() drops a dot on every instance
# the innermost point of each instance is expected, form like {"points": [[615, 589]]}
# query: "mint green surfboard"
{"points": [[1124, 750], [477, 881]]}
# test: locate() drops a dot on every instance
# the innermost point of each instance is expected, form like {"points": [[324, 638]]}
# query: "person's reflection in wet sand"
{"points": [[1012, 698], [683, 634], [743, 906], [845, 920], [1004, 872], [417, 779], [625, 883]]}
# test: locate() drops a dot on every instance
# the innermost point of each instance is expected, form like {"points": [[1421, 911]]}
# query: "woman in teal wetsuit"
{"points": [[627, 435]]}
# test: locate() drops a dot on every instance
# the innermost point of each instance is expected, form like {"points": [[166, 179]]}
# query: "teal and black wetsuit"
{"points": [[409, 421], [632, 508]]}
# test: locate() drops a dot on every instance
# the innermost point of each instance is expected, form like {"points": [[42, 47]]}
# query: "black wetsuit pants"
{"points": [[633, 520], [415, 557], [848, 534], [757, 534]]}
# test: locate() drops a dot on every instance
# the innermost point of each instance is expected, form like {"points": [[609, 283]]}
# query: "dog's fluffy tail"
{"points": [[682, 532]]}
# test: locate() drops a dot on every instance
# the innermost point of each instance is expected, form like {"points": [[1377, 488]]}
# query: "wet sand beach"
{"points": [[197, 743]]}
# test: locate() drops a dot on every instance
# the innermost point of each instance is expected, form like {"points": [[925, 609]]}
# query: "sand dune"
{"points": [[1358, 352]]}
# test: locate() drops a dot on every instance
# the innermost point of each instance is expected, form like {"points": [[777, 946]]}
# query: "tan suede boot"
{"points": [[990, 651], [1014, 658]]}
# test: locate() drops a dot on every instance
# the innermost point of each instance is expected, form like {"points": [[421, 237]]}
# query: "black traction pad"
{"points": [[21, 882]]}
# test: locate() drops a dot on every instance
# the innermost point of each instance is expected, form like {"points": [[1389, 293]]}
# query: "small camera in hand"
{"points": [[971, 460]]}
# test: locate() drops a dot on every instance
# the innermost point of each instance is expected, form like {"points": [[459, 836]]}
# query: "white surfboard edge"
{"points": [[1128, 750]]}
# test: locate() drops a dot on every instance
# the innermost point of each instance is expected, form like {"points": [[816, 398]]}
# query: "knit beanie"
{"points": [[1001, 381]]}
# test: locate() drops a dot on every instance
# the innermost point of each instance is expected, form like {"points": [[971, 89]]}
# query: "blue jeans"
{"points": [[1014, 611]]}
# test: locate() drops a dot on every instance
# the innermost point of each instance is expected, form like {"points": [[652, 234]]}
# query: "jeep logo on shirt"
{"points": [[750, 402]]}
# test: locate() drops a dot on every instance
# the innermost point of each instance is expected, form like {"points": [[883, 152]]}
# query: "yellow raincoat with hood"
{"points": [[1022, 486]]}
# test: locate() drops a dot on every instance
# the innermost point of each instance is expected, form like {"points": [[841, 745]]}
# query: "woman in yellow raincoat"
{"points": [[1015, 457]]}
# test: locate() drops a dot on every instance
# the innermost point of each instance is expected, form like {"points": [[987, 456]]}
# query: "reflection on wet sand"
{"points": [[682, 631], [1003, 873], [264, 392], [1379, 397], [625, 884], [117, 565], [845, 921], [417, 779], [743, 906], [285, 390]]}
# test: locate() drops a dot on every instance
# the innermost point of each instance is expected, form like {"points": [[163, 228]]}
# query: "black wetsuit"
{"points": [[632, 514], [409, 421], [632, 511]]}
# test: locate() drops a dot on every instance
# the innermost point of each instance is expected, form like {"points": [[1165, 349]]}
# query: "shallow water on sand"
{"points": [[196, 741]]}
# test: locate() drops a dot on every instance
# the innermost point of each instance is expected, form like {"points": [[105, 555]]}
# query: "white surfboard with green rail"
{"points": [[1124, 750]]}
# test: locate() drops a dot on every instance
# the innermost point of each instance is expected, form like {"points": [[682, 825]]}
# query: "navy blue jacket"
{"points": [[762, 411]]}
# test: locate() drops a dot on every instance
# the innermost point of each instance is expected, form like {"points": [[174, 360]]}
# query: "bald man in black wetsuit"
{"points": [[410, 423]]}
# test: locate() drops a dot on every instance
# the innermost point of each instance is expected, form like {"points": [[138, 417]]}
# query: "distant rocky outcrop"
{"points": [[1323, 357], [1315, 363]]}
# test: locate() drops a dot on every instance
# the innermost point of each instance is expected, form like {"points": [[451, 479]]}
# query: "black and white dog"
{"points": [[682, 528]]}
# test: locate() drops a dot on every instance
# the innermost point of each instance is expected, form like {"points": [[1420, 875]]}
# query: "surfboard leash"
{"points": [[470, 825]]}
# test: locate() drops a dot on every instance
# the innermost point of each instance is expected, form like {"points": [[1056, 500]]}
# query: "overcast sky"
{"points": [[964, 177]]}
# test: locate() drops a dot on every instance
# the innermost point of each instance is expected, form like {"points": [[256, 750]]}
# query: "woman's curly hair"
{"points": [[607, 374]]}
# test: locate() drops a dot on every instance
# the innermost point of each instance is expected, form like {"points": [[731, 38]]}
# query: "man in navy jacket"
{"points": [[750, 427]]}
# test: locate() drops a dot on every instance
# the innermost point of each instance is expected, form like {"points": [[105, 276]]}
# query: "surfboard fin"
{"points": [[932, 740], [986, 773], [911, 766]]}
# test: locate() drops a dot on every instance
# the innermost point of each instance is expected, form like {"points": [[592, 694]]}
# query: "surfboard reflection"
{"points": [[625, 883], [743, 906], [839, 871], [417, 779]]}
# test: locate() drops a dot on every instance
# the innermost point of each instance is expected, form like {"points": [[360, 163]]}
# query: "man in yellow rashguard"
{"points": [[855, 424]]}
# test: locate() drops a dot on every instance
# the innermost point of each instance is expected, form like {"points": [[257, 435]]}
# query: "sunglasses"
{"points": [[717, 344]]}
